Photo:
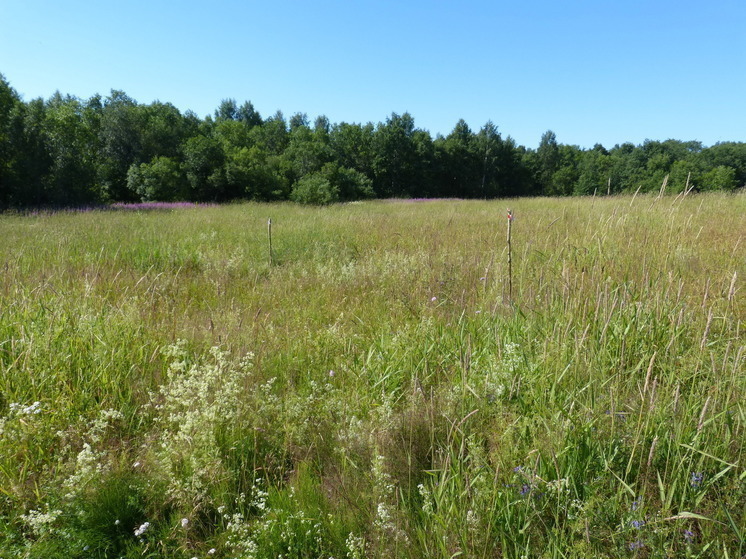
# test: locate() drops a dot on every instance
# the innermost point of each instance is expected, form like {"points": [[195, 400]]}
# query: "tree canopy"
{"points": [[66, 151]]}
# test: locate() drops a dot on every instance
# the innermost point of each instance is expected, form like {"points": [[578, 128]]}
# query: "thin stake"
{"points": [[269, 235], [510, 256]]}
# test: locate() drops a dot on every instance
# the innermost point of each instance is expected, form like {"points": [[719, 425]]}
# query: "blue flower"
{"points": [[636, 545], [638, 524], [696, 479]]}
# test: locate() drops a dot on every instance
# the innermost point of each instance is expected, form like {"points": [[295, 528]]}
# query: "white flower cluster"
{"points": [[140, 531], [355, 546], [194, 402], [291, 528], [89, 465], [427, 499], [41, 522], [20, 409], [384, 523]]}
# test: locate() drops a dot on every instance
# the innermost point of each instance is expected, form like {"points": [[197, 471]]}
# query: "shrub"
{"points": [[160, 180], [315, 190]]}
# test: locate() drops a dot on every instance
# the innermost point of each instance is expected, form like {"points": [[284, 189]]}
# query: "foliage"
{"points": [[161, 179], [315, 190], [65, 152]]}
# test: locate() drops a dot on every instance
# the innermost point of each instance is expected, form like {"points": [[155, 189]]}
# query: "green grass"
{"points": [[373, 392]]}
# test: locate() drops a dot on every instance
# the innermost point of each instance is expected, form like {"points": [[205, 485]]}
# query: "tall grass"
{"points": [[371, 390]]}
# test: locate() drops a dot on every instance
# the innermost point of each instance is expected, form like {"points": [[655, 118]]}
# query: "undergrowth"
{"points": [[166, 391]]}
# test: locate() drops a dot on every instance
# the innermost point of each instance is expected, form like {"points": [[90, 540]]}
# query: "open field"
{"points": [[374, 391]]}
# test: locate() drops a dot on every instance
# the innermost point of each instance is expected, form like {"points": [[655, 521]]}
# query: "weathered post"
{"points": [[269, 235], [510, 257]]}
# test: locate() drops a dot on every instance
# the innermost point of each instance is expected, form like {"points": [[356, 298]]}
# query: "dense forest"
{"points": [[65, 151]]}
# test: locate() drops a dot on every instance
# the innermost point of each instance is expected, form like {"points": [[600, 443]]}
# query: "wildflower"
{"points": [[142, 529], [33, 409], [212, 551], [696, 479], [635, 505], [184, 522], [525, 489], [636, 545], [427, 500], [688, 536], [433, 299], [331, 373], [117, 522], [638, 524]]}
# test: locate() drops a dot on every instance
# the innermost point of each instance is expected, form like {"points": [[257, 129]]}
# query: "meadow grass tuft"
{"points": [[381, 385]]}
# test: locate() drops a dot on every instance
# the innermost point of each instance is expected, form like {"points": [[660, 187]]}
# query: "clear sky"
{"points": [[591, 71]]}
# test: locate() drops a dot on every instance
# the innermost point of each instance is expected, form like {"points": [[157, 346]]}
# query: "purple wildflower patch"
{"points": [[140, 206]]}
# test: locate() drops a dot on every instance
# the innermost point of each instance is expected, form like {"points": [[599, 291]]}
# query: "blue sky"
{"points": [[601, 71]]}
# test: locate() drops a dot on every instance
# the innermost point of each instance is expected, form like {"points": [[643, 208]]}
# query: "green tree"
{"points": [[459, 163], [249, 116], [203, 166], [548, 163], [315, 190], [9, 100], [306, 152], [272, 136], [71, 145], [728, 154], [685, 173], [163, 130], [162, 179], [352, 146], [227, 110], [395, 156], [719, 178], [298, 120], [252, 173], [594, 172], [29, 157], [348, 183], [120, 141]]}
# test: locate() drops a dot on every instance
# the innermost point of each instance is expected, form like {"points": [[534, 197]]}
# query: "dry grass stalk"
{"points": [[732, 290], [663, 187], [652, 450], [707, 331], [635, 195], [701, 421], [647, 376]]}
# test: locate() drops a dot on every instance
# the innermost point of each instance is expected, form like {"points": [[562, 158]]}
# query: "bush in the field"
{"points": [[314, 190], [331, 184]]}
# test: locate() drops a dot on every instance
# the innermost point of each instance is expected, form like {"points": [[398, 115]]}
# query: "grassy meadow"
{"points": [[373, 390]]}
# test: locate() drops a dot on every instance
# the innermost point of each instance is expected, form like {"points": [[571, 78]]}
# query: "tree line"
{"points": [[65, 151]]}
